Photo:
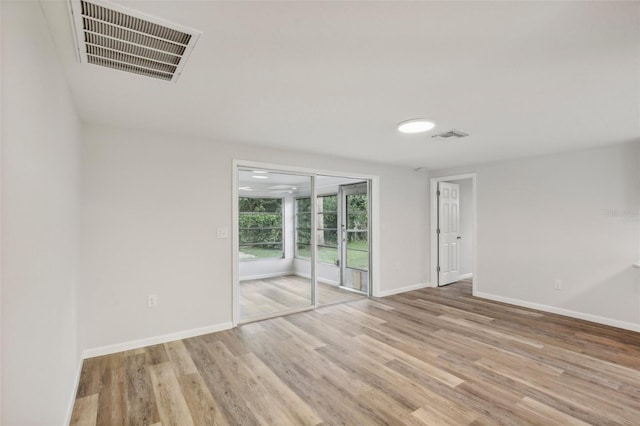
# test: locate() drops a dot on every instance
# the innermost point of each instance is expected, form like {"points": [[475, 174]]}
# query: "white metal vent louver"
{"points": [[451, 134], [112, 36]]}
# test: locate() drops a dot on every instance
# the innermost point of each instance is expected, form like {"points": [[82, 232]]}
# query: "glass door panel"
{"points": [[274, 227], [355, 237], [357, 250]]}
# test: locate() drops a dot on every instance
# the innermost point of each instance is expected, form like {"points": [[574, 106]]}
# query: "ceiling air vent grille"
{"points": [[451, 134], [112, 36]]}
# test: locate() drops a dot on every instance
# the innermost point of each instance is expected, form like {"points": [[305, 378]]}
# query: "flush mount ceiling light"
{"points": [[260, 177], [259, 171], [245, 188], [416, 125]]}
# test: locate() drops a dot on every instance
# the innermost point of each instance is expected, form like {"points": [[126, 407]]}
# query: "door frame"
{"points": [[434, 225], [374, 226]]}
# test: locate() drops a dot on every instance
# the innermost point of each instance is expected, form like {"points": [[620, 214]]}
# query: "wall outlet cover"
{"points": [[152, 300]]}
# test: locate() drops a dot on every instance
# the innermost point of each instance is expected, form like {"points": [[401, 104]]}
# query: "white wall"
{"points": [[151, 204], [571, 216], [40, 172]]}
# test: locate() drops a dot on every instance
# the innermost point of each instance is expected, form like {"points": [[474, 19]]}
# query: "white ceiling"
{"points": [[280, 184], [276, 183], [523, 78]]}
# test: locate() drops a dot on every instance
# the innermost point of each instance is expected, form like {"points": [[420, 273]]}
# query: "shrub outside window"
{"points": [[260, 228]]}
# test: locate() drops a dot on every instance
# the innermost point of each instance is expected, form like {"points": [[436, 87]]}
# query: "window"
{"points": [[327, 229], [260, 228], [303, 228]]}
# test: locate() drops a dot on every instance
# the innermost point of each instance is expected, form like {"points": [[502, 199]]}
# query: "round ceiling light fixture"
{"points": [[416, 125]]}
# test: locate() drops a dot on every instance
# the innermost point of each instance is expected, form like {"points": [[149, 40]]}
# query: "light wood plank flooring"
{"points": [[428, 357], [269, 295]]}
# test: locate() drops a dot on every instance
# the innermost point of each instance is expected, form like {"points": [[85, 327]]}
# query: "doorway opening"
{"points": [[303, 241], [453, 230]]}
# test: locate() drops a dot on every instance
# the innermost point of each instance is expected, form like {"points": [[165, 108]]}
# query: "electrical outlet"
{"points": [[557, 284], [222, 233], [152, 301]]}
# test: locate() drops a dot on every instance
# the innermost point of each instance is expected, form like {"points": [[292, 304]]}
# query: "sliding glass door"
{"points": [[302, 241]]}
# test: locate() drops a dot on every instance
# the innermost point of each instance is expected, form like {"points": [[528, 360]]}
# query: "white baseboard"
{"points": [[74, 392], [284, 274], [561, 311], [385, 293], [320, 280], [263, 276], [465, 276], [333, 283], [156, 340]]}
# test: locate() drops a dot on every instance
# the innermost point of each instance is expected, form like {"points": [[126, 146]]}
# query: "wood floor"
{"points": [[428, 357], [269, 295]]}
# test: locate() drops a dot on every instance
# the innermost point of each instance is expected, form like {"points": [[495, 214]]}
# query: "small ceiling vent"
{"points": [[451, 134], [111, 36]]}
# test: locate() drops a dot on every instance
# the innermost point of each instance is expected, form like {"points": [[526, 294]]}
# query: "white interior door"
{"points": [[448, 233]]}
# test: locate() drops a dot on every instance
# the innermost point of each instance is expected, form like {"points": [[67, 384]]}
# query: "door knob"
{"points": [[459, 237]]}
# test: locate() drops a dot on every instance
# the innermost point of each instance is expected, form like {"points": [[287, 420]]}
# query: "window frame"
{"points": [[337, 228], [311, 212], [282, 229], [296, 228]]}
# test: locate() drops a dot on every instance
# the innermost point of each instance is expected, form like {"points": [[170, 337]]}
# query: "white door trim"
{"points": [[434, 224], [374, 218]]}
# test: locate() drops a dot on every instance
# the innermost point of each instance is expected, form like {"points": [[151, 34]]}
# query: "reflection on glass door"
{"points": [[270, 281], [354, 229]]}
